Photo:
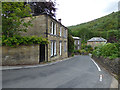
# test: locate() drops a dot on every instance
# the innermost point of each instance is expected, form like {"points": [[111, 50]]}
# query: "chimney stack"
{"points": [[59, 20]]}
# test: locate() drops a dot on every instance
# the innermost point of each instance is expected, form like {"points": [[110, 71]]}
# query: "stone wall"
{"points": [[94, 44], [111, 65], [22, 55]]}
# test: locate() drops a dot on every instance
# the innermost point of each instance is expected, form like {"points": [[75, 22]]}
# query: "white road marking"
{"points": [[100, 78], [96, 65]]}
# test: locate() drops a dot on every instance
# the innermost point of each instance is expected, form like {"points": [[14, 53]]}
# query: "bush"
{"points": [[84, 52], [73, 54], [88, 48], [113, 56], [77, 52], [97, 52], [26, 40], [108, 50]]}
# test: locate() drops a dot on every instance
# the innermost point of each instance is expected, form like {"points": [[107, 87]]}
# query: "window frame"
{"points": [[60, 31], [60, 48], [53, 48], [53, 28], [52, 51], [78, 42]]}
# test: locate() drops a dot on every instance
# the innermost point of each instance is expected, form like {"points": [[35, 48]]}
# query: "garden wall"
{"points": [[22, 55], [111, 65]]}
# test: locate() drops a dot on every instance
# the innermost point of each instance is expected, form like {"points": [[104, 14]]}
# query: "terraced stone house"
{"points": [[77, 43], [96, 41], [56, 33]]}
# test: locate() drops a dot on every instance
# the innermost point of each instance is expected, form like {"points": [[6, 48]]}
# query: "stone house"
{"points": [[56, 33], [95, 41], [77, 43]]}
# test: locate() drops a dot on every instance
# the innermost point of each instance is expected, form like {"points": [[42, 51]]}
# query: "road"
{"points": [[77, 72]]}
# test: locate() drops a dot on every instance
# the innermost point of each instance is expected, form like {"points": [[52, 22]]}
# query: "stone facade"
{"points": [[96, 41], [77, 43], [38, 27], [54, 31], [112, 66]]}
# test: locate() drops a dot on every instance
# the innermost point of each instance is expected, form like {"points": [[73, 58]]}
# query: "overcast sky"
{"points": [[73, 12]]}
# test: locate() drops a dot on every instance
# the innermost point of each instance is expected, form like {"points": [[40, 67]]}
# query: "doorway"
{"points": [[42, 53]]}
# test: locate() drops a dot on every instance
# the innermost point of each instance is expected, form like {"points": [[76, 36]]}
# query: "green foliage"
{"points": [[0, 40], [18, 40], [84, 52], [73, 54], [113, 56], [108, 50], [87, 48], [13, 14], [70, 43], [106, 27], [97, 52], [77, 51]]}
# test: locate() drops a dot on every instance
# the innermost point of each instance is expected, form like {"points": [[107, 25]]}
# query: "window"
{"points": [[75, 42], [53, 48], [60, 48], [53, 28], [60, 31], [65, 33], [65, 46], [78, 42]]}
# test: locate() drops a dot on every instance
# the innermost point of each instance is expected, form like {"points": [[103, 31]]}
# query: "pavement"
{"points": [[75, 72], [31, 66]]}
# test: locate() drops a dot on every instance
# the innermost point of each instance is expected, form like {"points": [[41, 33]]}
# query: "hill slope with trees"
{"points": [[106, 27]]}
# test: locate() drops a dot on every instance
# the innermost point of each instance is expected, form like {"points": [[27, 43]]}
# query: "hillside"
{"points": [[97, 27], [104, 23]]}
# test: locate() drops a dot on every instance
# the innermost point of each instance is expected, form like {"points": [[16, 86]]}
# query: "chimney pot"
{"points": [[59, 20]]}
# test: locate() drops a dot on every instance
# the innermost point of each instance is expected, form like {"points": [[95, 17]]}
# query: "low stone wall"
{"points": [[111, 65], [22, 55]]}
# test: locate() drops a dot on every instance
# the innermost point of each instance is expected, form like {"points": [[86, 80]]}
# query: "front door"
{"points": [[42, 53]]}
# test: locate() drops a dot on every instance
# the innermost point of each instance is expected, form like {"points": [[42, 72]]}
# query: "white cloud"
{"points": [[80, 11]]}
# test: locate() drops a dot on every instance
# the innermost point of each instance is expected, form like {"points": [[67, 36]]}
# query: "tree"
{"points": [[0, 18], [70, 43], [13, 14], [84, 33], [43, 7], [113, 36]]}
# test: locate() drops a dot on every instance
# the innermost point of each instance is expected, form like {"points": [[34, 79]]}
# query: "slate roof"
{"points": [[98, 39], [75, 37]]}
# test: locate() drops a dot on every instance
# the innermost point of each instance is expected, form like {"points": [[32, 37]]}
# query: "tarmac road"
{"points": [[77, 72]]}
